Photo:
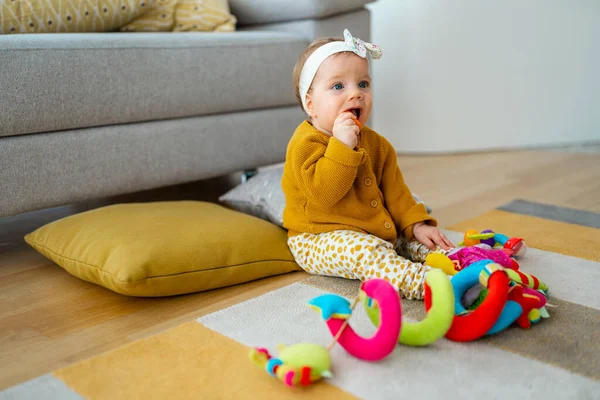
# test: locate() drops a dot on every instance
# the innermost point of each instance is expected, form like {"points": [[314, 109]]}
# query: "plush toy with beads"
{"points": [[509, 296], [516, 245], [300, 364], [305, 363]]}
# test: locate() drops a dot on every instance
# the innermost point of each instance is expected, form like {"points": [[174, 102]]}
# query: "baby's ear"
{"points": [[310, 106]]}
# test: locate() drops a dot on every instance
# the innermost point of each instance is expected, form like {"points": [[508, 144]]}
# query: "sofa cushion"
{"points": [[64, 81], [47, 170], [268, 11], [165, 248]]}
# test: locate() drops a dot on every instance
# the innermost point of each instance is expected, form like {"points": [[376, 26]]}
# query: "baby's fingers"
{"points": [[446, 240], [437, 238], [427, 242], [345, 116]]}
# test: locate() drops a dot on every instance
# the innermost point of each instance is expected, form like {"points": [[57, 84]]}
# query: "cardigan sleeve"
{"points": [[405, 211]]}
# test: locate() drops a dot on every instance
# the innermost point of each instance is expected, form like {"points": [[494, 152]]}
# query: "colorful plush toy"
{"points": [[301, 364], [471, 325], [516, 245], [335, 311], [508, 296], [524, 305], [466, 256], [527, 280], [442, 262], [438, 291], [531, 302], [472, 238], [532, 310], [306, 363]]}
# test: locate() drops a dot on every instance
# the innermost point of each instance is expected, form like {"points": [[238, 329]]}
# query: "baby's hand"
{"points": [[346, 130], [431, 236]]}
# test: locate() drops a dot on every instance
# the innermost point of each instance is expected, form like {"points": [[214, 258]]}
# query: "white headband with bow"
{"points": [[311, 66]]}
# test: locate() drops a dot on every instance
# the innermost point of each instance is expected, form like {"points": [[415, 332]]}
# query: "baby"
{"points": [[348, 210]]}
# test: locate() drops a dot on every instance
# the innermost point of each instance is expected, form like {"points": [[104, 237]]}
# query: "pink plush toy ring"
{"points": [[336, 310]]}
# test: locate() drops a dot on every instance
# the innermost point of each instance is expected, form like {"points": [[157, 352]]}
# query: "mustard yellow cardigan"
{"points": [[329, 186]]}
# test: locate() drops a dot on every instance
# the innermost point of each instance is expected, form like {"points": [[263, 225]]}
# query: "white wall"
{"points": [[464, 75]]}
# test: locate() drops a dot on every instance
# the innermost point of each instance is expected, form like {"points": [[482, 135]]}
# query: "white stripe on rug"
{"points": [[445, 370], [569, 278], [44, 387]]}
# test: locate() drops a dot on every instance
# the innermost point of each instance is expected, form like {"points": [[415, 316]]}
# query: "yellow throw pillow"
{"points": [[159, 18], [165, 248], [204, 16], [52, 16], [185, 16]]}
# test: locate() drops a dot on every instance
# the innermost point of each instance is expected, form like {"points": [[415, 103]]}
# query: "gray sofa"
{"points": [[85, 116]]}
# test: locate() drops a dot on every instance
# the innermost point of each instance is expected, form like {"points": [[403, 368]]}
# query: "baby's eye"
{"points": [[337, 86], [363, 84]]}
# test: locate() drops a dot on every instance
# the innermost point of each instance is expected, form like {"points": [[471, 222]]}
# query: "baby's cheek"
{"points": [[330, 118]]}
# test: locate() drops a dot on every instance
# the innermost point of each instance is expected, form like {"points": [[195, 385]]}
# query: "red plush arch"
{"points": [[477, 323]]}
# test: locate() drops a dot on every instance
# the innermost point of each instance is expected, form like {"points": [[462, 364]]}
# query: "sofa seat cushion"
{"points": [[57, 82]]}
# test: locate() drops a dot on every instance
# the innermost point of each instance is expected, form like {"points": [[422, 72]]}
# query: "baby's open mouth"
{"points": [[356, 112]]}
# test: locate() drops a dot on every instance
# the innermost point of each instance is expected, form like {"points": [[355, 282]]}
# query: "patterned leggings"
{"points": [[356, 255]]}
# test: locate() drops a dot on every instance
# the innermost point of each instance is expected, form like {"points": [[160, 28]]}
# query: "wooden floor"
{"points": [[49, 319]]}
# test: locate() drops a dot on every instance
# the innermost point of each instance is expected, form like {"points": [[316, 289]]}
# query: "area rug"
{"points": [[558, 358]]}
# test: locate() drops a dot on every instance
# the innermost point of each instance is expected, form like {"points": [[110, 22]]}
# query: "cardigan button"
{"points": [[368, 182], [373, 203], [387, 225]]}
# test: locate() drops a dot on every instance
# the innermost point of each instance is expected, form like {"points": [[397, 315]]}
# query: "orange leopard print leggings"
{"points": [[356, 255]]}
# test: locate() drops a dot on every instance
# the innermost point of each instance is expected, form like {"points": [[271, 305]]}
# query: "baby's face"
{"points": [[341, 84]]}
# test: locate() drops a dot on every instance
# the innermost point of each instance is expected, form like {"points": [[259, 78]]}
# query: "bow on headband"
{"points": [[360, 47]]}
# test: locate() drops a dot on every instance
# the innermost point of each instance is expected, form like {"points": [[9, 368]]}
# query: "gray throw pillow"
{"points": [[262, 196]]}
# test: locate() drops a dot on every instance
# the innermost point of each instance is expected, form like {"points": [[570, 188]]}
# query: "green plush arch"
{"points": [[439, 317]]}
